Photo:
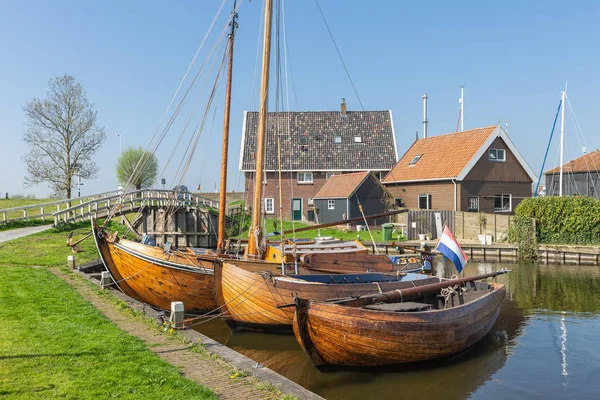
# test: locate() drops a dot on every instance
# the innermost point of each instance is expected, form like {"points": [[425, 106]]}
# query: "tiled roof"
{"points": [[308, 141], [443, 157], [341, 186], [585, 163]]}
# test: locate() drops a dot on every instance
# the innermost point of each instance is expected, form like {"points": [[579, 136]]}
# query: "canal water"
{"points": [[545, 344]]}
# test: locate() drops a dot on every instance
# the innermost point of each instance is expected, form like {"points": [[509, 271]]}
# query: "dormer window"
{"points": [[414, 160], [497, 155], [303, 140], [357, 139], [337, 139]]}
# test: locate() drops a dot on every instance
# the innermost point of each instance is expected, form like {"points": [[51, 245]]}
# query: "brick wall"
{"points": [[442, 193], [290, 190]]}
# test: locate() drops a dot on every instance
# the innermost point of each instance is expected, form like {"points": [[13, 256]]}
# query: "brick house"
{"points": [[314, 145], [475, 170], [581, 176]]}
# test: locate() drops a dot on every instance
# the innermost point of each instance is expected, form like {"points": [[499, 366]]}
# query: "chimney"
{"points": [[425, 116], [343, 107]]}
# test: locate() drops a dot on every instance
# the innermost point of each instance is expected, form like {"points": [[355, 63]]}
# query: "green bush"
{"points": [[521, 232], [564, 220]]}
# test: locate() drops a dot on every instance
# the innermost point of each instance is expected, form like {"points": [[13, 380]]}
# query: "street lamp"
{"points": [[76, 167], [120, 148]]}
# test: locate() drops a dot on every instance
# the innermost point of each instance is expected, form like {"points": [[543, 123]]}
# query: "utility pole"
{"points": [[462, 107]]}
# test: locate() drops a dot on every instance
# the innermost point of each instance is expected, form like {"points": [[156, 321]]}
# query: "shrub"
{"points": [[564, 220]]}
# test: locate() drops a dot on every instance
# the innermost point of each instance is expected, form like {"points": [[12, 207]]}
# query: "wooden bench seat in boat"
{"points": [[406, 306]]}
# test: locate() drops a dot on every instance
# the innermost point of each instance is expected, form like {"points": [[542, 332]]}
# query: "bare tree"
{"points": [[137, 167], [62, 136]]}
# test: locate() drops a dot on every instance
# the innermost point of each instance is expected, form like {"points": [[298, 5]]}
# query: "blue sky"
{"points": [[513, 58]]}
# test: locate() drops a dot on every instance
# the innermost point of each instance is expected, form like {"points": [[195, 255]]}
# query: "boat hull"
{"points": [[264, 302], [148, 274], [336, 335]]}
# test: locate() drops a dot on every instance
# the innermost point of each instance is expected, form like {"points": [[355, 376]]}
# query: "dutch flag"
{"points": [[449, 247]]}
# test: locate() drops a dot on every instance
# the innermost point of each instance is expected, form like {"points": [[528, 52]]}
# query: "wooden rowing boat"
{"points": [[371, 331], [257, 301], [331, 263]]}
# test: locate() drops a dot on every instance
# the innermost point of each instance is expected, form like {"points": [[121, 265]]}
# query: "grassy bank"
{"points": [[49, 248], [55, 344]]}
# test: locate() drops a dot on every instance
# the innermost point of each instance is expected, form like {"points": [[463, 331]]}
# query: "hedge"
{"points": [[564, 220]]}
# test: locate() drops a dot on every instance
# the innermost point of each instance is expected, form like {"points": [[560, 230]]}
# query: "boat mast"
{"points": [[225, 148], [255, 234], [562, 139]]}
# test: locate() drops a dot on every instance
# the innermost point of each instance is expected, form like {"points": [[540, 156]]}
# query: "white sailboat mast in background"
{"points": [[562, 139]]}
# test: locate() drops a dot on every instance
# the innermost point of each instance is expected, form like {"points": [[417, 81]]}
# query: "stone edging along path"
{"points": [[213, 373]]}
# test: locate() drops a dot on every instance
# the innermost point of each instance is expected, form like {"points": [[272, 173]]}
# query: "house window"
{"points": [[398, 202], [357, 139], [337, 139], [303, 140], [473, 204], [305, 177], [503, 202], [498, 155], [269, 206], [311, 202], [414, 160], [331, 204], [425, 202], [329, 174]]}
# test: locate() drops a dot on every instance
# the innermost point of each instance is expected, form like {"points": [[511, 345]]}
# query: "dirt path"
{"points": [[5, 236], [195, 366]]}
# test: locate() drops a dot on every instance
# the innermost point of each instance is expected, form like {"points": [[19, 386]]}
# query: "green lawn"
{"points": [[54, 344], [10, 203], [349, 234], [49, 248]]}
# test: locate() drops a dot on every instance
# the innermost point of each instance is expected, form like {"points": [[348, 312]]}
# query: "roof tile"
{"points": [[341, 186], [375, 151], [443, 157], [585, 163]]}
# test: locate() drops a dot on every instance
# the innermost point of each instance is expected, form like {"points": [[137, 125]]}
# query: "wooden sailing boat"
{"points": [[261, 301], [159, 276], [399, 326]]}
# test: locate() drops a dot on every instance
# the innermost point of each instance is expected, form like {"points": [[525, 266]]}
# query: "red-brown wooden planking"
{"points": [[347, 336], [252, 299]]}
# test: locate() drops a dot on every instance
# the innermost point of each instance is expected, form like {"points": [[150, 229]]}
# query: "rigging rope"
{"points": [[547, 148]]}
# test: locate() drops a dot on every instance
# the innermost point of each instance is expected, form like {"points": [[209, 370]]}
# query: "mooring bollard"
{"points": [[71, 262], [176, 317], [105, 279]]}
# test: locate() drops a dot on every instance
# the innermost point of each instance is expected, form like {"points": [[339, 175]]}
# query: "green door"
{"points": [[297, 209]]}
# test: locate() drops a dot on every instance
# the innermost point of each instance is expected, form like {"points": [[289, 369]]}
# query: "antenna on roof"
{"points": [[425, 116]]}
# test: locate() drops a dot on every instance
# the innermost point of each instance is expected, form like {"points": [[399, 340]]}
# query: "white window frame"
{"points": [[331, 204], [493, 155], [428, 197], [415, 160], [501, 208], [337, 139], [358, 139], [469, 203], [271, 201], [304, 178]]}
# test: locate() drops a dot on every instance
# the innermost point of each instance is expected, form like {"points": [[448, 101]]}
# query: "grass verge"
{"points": [[49, 248], [23, 224], [92, 359]]}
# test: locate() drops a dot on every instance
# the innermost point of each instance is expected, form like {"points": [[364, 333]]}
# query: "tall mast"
{"points": [[562, 139], [462, 107], [255, 231], [225, 148]]}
